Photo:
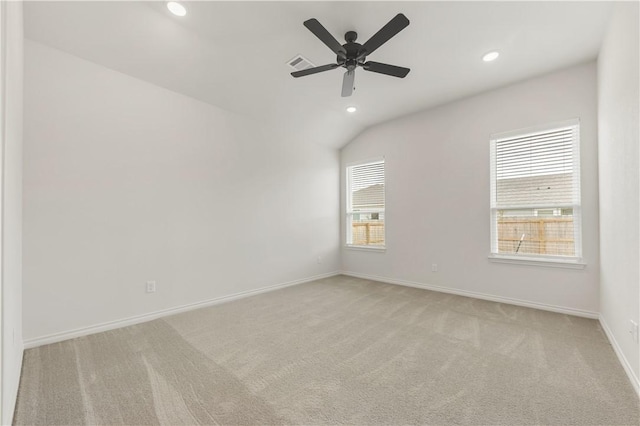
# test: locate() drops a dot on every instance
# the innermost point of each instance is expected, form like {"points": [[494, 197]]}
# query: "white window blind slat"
{"points": [[536, 136]]}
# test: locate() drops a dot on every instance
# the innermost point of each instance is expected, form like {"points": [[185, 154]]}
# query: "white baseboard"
{"points": [[623, 360], [507, 300], [98, 328]]}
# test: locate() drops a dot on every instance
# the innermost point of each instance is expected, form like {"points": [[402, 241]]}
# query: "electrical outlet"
{"points": [[434, 267], [151, 286], [319, 259], [633, 330]]}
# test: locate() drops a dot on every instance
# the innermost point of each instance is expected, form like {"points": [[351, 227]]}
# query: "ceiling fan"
{"points": [[352, 55]]}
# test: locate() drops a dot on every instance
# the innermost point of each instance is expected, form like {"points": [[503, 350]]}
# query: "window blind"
{"points": [[366, 204], [535, 192], [367, 186]]}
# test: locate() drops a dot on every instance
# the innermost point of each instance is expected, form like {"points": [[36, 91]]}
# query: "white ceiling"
{"points": [[234, 54]]}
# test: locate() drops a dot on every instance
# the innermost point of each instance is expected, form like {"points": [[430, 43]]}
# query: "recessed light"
{"points": [[176, 8], [352, 109], [491, 56]]}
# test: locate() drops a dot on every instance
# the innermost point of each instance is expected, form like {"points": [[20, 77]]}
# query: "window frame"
{"points": [[573, 262], [348, 211]]}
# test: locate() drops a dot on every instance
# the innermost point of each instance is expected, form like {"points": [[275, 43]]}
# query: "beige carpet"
{"points": [[335, 351]]}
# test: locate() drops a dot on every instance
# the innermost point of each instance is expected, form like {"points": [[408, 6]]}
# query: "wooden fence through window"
{"points": [[542, 235], [368, 233]]}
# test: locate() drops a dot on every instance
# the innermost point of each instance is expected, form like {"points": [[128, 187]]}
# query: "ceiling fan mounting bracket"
{"points": [[351, 36]]}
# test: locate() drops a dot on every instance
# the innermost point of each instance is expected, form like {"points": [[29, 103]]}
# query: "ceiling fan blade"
{"points": [[386, 69], [321, 32], [347, 83], [314, 70], [393, 27]]}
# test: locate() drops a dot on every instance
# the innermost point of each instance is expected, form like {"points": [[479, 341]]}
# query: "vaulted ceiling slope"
{"points": [[234, 54]]}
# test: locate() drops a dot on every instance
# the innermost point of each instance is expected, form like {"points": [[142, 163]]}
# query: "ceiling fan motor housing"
{"points": [[353, 49]]}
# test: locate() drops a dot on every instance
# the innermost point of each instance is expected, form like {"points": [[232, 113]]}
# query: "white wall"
{"points": [[437, 192], [126, 182], [618, 123], [11, 95]]}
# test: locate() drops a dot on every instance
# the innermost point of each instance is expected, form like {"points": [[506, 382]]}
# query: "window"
{"points": [[365, 205], [535, 194]]}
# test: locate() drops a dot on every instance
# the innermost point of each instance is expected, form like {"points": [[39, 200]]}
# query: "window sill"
{"points": [[571, 263], [366, 248]]}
